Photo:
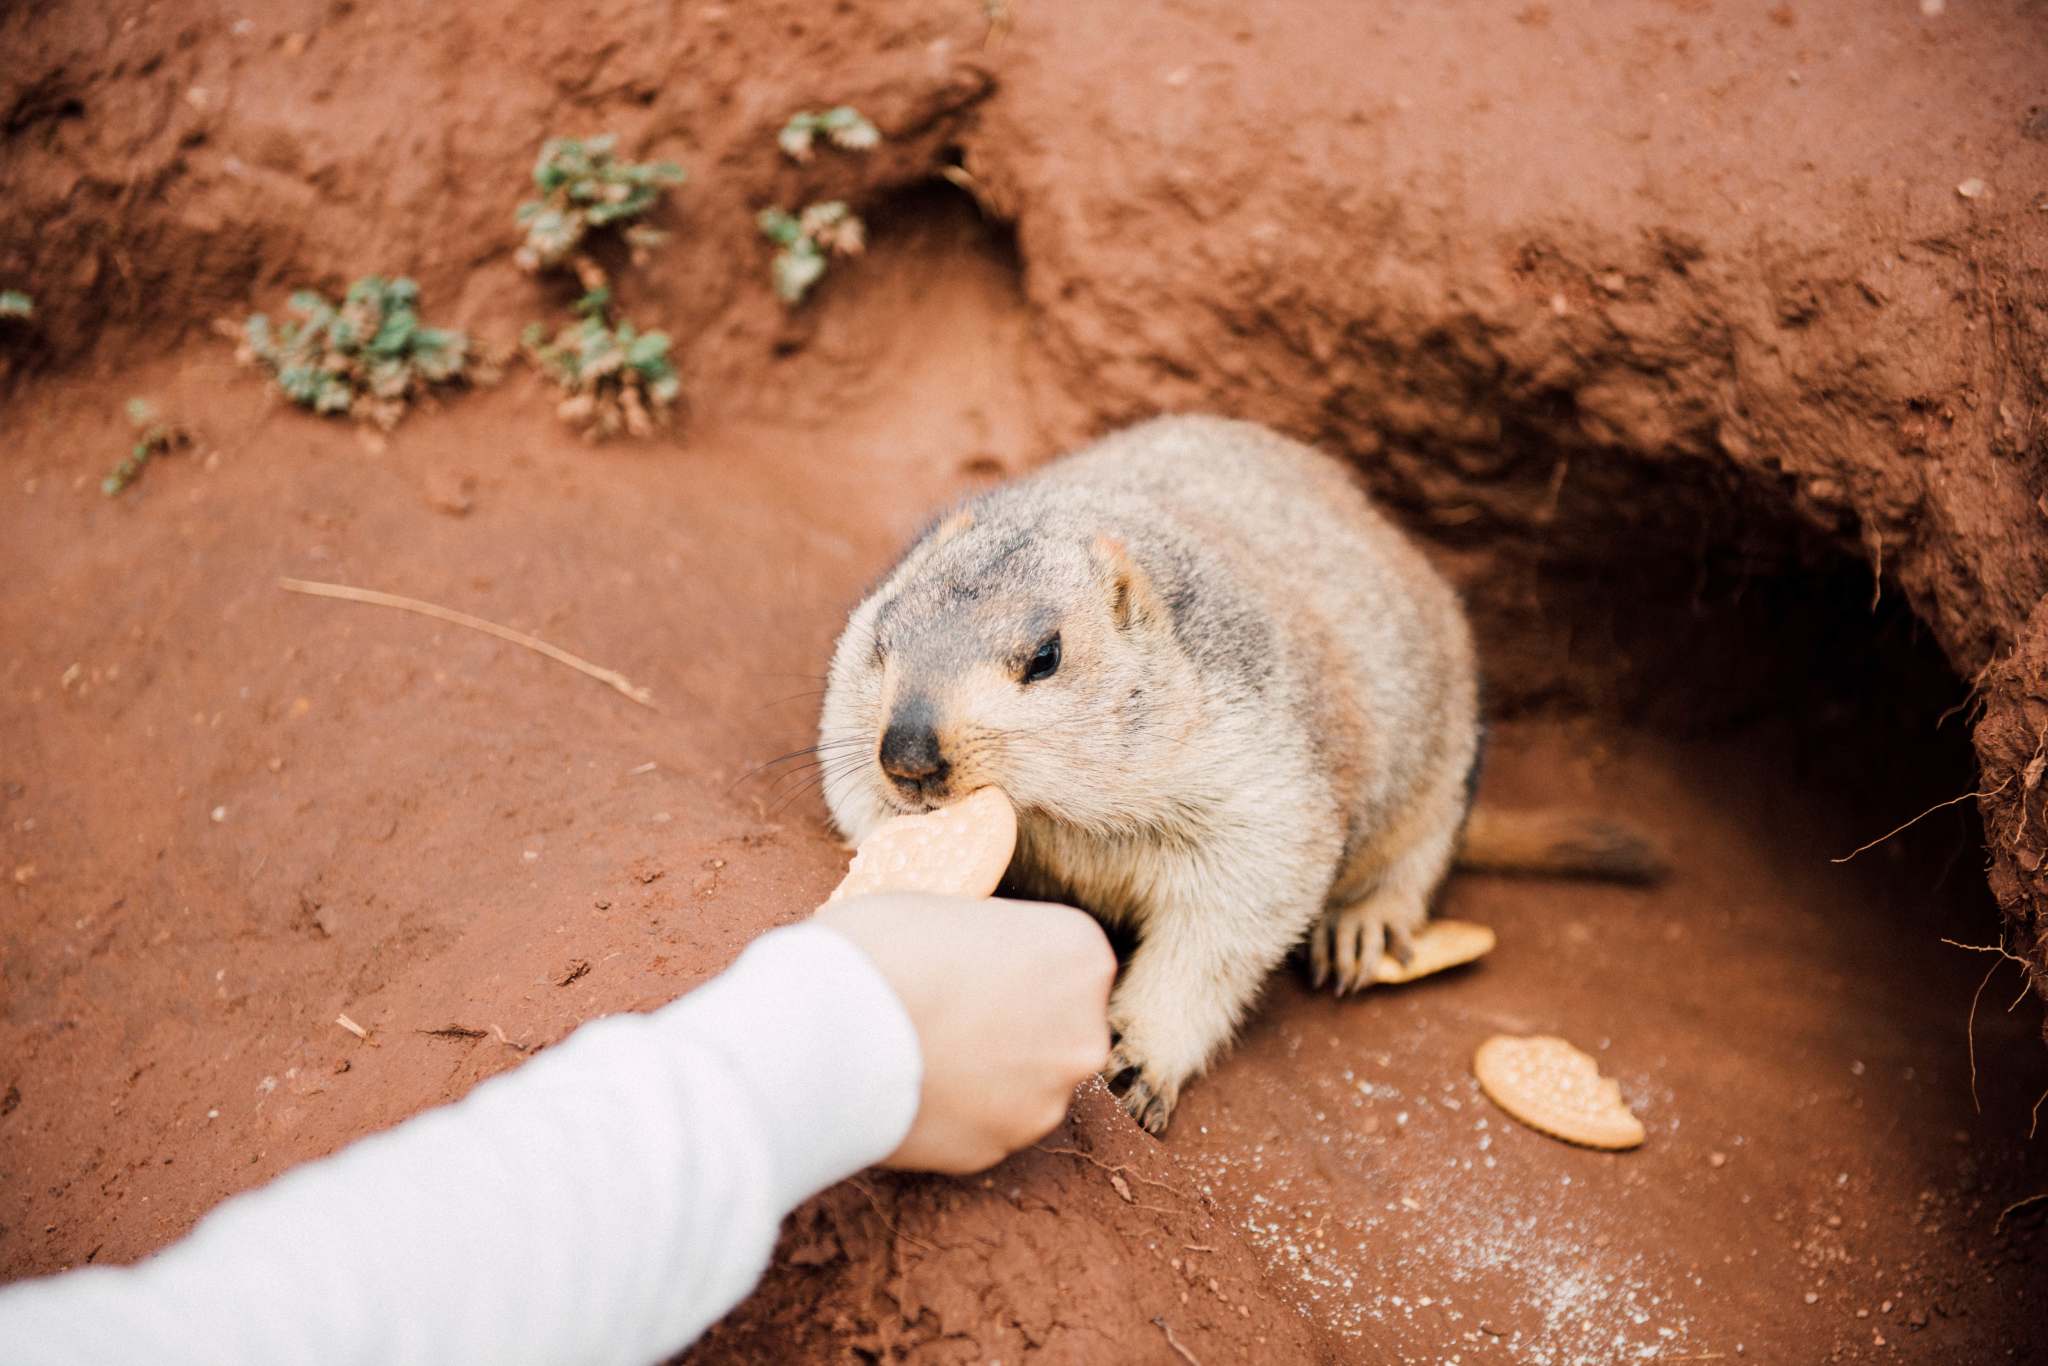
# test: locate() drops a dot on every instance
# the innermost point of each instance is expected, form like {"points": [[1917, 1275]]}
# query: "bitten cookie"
{"points": [[1553, 1087], [960, 850]]}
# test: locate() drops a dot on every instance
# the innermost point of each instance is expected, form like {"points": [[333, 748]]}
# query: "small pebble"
{"points": [[220, 813], [1973, 188], [1812, 1298]]}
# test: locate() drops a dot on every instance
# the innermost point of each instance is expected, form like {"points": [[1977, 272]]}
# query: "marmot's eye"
{"points": [[1045, 663]]}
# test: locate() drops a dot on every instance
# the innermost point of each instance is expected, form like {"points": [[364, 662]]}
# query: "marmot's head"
{"points": [[1002, 653]]}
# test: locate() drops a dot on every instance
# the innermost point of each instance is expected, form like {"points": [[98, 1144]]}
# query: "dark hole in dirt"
{"points": [[1674, 597], [1678, 599], [939, 217]]}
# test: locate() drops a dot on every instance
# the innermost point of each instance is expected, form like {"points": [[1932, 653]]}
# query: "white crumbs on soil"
{"points": [[1452, 1256]]}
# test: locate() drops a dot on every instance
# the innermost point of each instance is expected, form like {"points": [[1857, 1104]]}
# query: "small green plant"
{"points": [[15, 304], [843, 125], [583, 187], [808, 241], [153, 436], [369, 357], [615, 378]]}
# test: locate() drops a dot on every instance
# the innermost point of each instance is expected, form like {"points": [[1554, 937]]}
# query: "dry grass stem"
{"points": [[491, 628]]}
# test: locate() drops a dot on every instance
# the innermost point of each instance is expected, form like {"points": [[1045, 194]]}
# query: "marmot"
{"points": [[1232, 704]]}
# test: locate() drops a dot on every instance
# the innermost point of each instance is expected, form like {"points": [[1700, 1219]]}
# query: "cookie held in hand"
{"points": [[959, 850]]}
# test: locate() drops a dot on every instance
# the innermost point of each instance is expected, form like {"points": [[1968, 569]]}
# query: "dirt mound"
{"points": [[1672, 329]]}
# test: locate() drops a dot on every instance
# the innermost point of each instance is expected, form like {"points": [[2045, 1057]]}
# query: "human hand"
{"points": [[1010, 1000]]}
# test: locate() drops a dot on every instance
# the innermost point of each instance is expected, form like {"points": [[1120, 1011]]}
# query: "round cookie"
{"points": [[1553, 1087], [1437, 945], [962, 849]]}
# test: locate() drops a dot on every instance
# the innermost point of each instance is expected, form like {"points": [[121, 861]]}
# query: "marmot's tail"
{"points": [[1557, 844]]}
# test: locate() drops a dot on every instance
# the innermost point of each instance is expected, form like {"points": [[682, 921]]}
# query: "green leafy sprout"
{"points": [[153, 436], [583, 187], [844, 126], [15, 304], [614, 377], [808, 241], [369, 357]]}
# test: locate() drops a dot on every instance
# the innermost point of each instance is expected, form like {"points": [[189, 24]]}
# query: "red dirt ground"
{"points": [[1660, 497]]}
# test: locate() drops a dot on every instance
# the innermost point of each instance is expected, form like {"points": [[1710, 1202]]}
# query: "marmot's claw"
{"points": [[1358, 939], [1147, 1104]]}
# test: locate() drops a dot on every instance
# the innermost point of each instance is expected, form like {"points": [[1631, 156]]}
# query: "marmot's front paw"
{"points": [[1346, 944], [1149, 1097]]}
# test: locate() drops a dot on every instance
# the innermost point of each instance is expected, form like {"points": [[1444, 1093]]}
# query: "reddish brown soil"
{"points": [[1663, 349]]}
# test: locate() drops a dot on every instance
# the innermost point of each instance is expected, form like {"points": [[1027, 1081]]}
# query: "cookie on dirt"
{"points": [[1439, 944], [961, 850], [1556, 1089]]}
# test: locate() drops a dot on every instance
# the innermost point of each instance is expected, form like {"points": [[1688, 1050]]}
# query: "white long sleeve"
{"points": [[605, 1203]]}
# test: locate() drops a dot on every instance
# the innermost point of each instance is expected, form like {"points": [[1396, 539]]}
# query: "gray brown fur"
{"points": [[1260, 728]]}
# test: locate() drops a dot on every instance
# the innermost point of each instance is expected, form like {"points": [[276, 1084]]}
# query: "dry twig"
{"points": [[1185, 1354], [489, 628]]}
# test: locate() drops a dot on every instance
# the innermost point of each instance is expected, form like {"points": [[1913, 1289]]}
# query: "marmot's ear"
{"points": [[1127, 586], [942, 532], [959, 522]]}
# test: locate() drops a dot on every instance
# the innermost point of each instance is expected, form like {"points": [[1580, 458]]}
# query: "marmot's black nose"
{"points": [[910, 747]]}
